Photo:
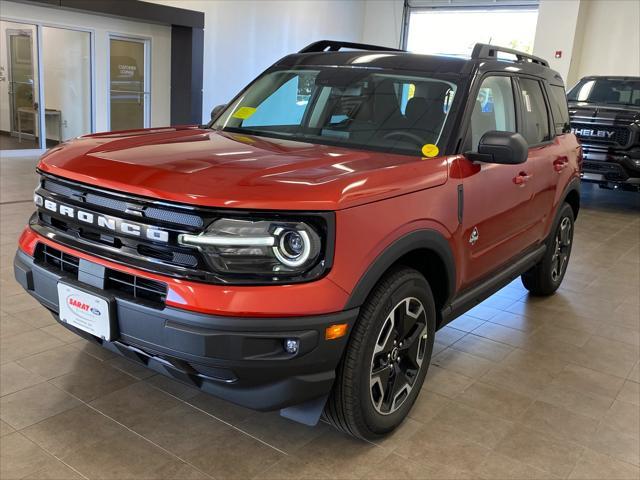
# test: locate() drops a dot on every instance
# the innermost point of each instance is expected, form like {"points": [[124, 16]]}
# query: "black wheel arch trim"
{"points": [[425, 239], [572, 186]]}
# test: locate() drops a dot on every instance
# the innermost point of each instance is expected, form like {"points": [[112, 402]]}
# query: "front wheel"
{"points": [[387, 357], [546, 276]]}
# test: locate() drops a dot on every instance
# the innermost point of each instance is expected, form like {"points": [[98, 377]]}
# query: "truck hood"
{"points": [[218, 169], [596, 112]]}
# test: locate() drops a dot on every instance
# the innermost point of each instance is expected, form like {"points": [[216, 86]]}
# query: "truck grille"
{"points": [[132, 286], [611, 171], [107, 240], [619, 137]]}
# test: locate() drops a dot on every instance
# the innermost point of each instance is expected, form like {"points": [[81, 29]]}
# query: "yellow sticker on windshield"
{"points": [[430, 150], [244, 112]]}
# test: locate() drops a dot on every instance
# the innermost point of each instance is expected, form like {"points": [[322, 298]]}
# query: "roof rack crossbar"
{"points": [[334, 46], [485, 51]]}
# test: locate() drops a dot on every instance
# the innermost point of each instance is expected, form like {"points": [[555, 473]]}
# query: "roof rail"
{"points": [[484, 51], [334, 46]]}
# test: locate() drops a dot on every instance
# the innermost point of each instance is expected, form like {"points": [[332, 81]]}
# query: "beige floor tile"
{"points": [[221, 409], [502, 334], [172, 387], [448, 335], [5, 429], [291, 468], [396, 467], [560, 423], [56, 471], [26, 344], [479, 426], [234, 456], [466, 323], [60, 332], [483, 312], [15, 378], [538, 450], [446, 446], [130, 367], [526, 361], [122, 456], [134, 404], [525, 382], [428, 405], [576, 401], [483, 347], [596, 466], [630, 393], [610, 441], [10, 325], [634, 374], [445, 382], [498, 466], [65, 431], [518, 322], [34, 404], [463, 363], [58, 361], [589, 381], [624, 417], [503, 403], [19, 457], [93, 380]]}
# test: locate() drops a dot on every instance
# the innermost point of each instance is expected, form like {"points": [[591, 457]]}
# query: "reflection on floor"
{"points": [[519, 387], [8, 142]]}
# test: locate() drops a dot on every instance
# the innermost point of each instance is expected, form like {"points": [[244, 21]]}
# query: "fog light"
{"points": [[291, 345]]}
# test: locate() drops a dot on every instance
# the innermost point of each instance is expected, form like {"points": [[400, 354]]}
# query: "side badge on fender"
{"points": [[474, 236]]}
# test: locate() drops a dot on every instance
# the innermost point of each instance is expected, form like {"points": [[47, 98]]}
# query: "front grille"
{"points": [[89, 198], [57, 259], [611, 171], [620, 137], [124, 284]]}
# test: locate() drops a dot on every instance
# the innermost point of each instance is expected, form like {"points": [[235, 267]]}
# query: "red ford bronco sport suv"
{"points": [[301, 250]]}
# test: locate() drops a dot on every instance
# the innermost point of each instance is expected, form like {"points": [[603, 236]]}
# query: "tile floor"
{"points": [[519, 387]]}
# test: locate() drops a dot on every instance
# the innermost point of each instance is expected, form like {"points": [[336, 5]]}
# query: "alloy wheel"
{"points": [[398, 355], [562, 249]]}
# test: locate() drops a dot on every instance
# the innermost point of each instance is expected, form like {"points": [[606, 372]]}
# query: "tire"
{"points": [[361, 402], [546, 276]]}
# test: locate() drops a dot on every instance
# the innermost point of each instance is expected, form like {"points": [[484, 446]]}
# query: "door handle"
{"points": [[521, 179], [560, 164]]}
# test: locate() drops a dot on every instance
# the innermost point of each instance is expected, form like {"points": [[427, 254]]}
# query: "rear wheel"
{"points": [[387, 357], [546, 276]]}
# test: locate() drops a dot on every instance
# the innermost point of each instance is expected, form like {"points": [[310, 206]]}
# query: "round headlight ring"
{"points": [[280, 250]]}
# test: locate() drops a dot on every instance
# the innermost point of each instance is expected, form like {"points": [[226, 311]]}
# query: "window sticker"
{"points": [[244, 112], [430, 150]]}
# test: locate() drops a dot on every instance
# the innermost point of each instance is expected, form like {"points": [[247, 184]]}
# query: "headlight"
{"points": [[274, 248]]}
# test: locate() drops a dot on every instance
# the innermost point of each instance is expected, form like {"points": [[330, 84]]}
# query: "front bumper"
{"points": [[239, 359], [611, 168]]}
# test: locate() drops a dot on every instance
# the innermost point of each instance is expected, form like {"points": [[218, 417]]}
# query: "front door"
{"points": [[497, 223], [128, 92]]}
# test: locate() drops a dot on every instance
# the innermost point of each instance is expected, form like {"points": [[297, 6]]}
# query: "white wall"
{"points": [[597, 37], [383, 22], [610, 43], [244, 37], [102, 26]]}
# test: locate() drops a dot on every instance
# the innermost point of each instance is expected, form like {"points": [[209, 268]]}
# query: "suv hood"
{"points": [[218, 169]]}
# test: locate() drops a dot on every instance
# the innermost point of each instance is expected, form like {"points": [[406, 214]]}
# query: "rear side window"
{"points": [[493, 109], [535, 117], [559, 109]]}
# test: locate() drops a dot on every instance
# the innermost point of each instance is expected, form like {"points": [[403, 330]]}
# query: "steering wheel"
{"points": [[401, 133]]}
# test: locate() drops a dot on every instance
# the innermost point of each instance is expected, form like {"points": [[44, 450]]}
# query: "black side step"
{"points": [[473, 296]]}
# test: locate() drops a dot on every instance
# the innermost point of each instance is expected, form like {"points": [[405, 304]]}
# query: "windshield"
{"points": [[354, 107], [607, 90]]}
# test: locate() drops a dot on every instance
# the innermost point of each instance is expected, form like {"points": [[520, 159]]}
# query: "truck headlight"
{"points": [[259, 247]]}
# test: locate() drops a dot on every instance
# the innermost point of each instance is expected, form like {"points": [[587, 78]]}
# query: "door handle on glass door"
{"points": [[521, 179]]}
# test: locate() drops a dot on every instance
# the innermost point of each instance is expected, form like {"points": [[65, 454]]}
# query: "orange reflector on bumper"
{"points": [[336, 331]]}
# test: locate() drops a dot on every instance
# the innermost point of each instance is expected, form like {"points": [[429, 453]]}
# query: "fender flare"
{"points": [[573, 186], [419, 239]]}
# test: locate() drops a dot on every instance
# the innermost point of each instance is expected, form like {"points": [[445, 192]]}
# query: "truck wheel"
{"points": [[546, 276], [387, 357]]}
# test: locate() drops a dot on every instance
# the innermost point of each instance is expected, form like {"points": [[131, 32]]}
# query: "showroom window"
{"points": [[453, 27], [45, 85]]}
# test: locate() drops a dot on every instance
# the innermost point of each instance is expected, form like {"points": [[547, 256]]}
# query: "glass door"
{"points": [[129, 93], [19, 108]]}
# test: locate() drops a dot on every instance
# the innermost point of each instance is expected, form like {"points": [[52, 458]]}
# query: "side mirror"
{"points": [[217, 110], [507, 148]]}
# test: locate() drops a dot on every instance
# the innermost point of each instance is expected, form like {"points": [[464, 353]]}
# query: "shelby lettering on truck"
{"points": [[299, 252]]}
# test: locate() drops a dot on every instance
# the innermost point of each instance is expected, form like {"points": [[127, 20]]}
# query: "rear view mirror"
{"points": [[507, 148], [217, 110]]}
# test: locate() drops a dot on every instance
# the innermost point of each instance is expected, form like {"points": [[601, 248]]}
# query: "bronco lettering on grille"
{"points": [[103, 221]]}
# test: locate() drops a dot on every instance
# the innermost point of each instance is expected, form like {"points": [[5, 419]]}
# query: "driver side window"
{"points": [[494, 109]]}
